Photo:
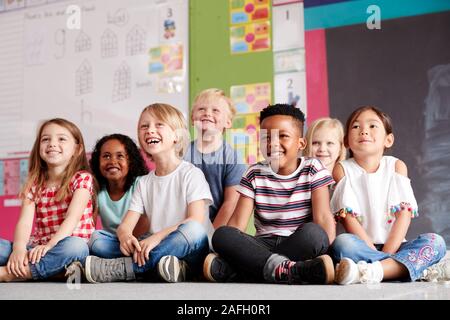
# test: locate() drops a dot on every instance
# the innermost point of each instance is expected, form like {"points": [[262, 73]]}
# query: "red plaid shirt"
{"points": [[50, 213]]}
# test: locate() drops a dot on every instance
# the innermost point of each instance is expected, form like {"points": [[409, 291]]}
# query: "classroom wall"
{"points": [[402, 68]]}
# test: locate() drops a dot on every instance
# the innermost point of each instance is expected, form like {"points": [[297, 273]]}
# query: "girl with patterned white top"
{"points": [[375, 203], [59, 196]]}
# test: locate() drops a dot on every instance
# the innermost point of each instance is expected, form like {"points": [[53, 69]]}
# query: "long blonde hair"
{"points": [[38, 169], [176, 121], [332, 124]]}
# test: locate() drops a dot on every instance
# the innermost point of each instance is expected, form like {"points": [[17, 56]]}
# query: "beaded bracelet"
{"points": [[401, 207], [341, 214]]}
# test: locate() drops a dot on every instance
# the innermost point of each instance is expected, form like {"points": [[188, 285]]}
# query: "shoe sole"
{"points": [[207, 267], [88, 270], [329, 268], [170, 270], [343, 272]]}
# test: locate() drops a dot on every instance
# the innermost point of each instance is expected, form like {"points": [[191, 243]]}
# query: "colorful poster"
{"points": [[244, 135], [251, 37], [251, 98], [166, 58], [289, 61], [246, 11]]}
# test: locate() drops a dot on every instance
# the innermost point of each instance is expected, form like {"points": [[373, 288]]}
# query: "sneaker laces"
{"points": [[113, 268]]}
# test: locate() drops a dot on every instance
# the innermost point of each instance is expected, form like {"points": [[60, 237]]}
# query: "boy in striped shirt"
{"points": [[288, 195]]}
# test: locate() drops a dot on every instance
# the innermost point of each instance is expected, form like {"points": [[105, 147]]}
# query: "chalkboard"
{"points": [[404, 69], [97, 63]]}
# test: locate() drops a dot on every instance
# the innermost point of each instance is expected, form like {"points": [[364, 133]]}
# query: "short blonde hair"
{"points": [[326, 123], [211, 93], [176, 121]]}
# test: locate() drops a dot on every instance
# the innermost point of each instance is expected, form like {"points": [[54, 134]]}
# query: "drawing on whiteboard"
{"points": [[83, 42], [436, 150], [34, 46], [83, 79], [86, 114], [60, 41], [122, 83], [119, 18], [109, 44], [135, 43]]}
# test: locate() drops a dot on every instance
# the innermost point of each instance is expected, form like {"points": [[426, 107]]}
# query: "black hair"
{"points": [[136, 163], [283, 109]]}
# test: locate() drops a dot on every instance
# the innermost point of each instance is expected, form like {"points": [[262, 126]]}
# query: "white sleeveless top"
{"points": [[372, 196]]}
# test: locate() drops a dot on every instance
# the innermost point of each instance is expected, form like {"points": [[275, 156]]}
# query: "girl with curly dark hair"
{"points": [[117, 165]]}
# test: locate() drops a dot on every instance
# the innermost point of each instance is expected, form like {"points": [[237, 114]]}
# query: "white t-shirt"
{"points": [[165, 199]]}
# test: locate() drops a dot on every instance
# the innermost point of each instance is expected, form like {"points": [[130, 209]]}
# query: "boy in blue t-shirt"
{"points": [[211, 114]]}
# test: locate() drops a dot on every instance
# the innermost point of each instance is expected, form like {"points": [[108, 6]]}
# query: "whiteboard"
{"points": [[95, 73]]}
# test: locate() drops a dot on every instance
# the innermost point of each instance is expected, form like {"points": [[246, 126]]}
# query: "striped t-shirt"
{"points": [[283, 203]]}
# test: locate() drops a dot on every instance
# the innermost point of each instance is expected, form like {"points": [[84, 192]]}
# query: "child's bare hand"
{"points": [[17, 262], [129, 245], [147, 245], [38, 252]]}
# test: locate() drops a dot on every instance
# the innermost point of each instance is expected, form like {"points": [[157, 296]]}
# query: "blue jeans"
{"points": [[416, 255], [188, 243], [104, 244], [65, 252]]}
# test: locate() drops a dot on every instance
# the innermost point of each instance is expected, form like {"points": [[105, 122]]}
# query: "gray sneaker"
{"points": [[171, 269], [109, 270], [437, 272]]}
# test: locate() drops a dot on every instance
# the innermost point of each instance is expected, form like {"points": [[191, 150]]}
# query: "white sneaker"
{"points": [[348, 272], [437, 272], [171, 269]]}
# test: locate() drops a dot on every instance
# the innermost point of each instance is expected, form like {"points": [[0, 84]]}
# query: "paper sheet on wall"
{"points": [[251, 98], [289, 61], [291, 88], [288, 17], [244, 135], [250, 37], [246, 11]]}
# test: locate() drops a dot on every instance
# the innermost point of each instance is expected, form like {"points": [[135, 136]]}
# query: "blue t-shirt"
{"points": [[222, 168], [111, 212]]}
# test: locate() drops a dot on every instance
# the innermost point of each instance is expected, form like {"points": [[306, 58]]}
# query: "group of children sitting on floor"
{"points": [[187, 218]]}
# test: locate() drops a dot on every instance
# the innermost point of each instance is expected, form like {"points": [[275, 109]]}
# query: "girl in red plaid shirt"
{"points": [[59, 196]]}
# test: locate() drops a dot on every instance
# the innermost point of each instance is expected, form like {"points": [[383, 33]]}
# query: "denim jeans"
{"points": [[256, 258], [105, 245], [416, 255], [188, 243], [65, 252]]}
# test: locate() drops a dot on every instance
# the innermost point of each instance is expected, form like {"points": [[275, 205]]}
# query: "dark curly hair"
{"points": [[284, 109], [136, 164]]}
